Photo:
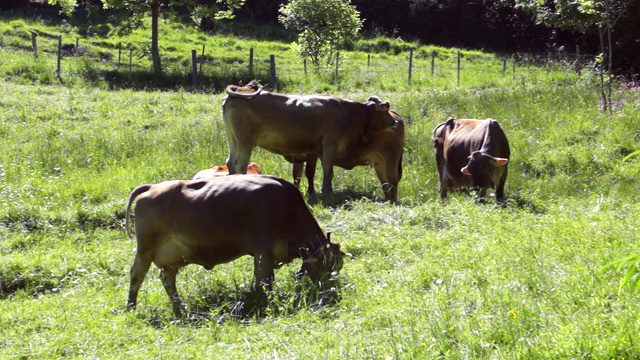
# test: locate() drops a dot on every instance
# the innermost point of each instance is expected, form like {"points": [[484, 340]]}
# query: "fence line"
{"points": [[415, 67]]}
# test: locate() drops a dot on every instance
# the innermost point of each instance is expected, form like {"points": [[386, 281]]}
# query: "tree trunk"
{"points": [[155, 53]]}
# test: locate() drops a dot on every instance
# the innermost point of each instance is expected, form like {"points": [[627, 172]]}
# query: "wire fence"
{"points": [[416, 68]]}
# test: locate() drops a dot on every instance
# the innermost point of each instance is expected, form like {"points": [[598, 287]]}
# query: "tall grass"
{"points": [[428, 280]]}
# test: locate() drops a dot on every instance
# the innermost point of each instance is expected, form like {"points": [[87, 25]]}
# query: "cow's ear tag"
{"points": [[465, 170]]}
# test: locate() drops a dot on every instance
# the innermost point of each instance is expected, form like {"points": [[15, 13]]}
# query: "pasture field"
{"points": [[428, 280]]}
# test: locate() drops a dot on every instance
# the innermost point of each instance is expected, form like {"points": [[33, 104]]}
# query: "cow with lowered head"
{"points": [[214, 221], [471, 154], [296, 125]]}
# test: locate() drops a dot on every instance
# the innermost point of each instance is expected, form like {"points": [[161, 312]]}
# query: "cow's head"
{"points": [[480, 166], [322, 263], [381, 118]]}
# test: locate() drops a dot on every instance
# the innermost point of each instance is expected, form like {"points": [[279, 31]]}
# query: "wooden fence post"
{"points": [[504, 65], [335, 76], [34, 43], [514, 66], [410, 64], [119, 52], [272, 71], [75, 52], [194, 69], [304, 63], [368, 60], [251, 63], [59, 54]]}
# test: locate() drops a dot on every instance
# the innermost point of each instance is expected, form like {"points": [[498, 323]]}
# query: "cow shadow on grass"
{"points": [[242, 303], [340, 198], [513, 201]]}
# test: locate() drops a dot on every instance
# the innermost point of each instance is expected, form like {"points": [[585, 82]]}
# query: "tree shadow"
{"points": [[138, 79]]}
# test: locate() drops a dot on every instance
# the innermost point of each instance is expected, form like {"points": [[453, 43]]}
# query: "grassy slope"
{"points": [[428, 280]]}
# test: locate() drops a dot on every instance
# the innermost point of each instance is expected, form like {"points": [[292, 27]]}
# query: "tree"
{"points": [[323, 26], [583, 16], [136, 9]]}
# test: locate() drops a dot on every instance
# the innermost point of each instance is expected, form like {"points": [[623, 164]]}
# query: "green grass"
{"points": [[428, 280]]}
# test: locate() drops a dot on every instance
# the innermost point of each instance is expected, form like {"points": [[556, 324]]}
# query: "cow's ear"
{"points": [[501, 161], [465, 170]]}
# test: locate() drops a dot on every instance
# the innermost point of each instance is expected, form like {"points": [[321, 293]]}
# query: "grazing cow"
{"points": [[299, 124], [471, 154], [214, 221], [223, 170], [383, 152]]}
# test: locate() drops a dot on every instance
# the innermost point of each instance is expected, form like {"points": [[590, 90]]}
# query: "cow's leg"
{"points": [[263, 263], [241, 160], [232, 144], [500, 184], [168, 277], [310, 173], [298, 166], [444, 186], [388, 173], [138, 272], [327, 168]]}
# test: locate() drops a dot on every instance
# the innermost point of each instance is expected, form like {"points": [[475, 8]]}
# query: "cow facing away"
{"points": [[214, 221], [383, 152], [296, 125], [223, 170], [471, 154]]}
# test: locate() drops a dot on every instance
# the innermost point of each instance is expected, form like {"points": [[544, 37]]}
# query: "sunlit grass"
{"points": [[428, 280]]}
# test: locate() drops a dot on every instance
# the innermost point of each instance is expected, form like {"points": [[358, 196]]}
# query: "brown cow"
{"points": [[471, 154], [223, 170], [298, 124], [214, 221], [383, 152]]}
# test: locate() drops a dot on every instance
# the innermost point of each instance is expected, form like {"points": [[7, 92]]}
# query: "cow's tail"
{"points": [[134, 194], [400, 164], [248, 92]]}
